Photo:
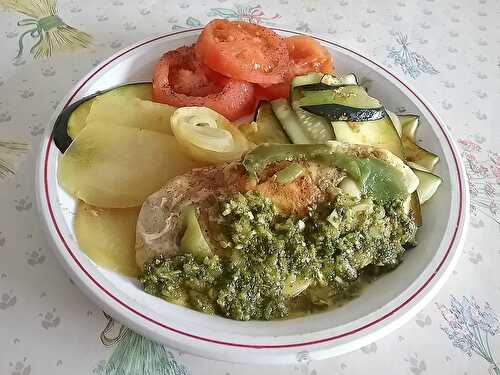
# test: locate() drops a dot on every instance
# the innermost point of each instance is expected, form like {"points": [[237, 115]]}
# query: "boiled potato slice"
{"points": [[116, 167], [107, 236], [78, 118], [131, 112]]}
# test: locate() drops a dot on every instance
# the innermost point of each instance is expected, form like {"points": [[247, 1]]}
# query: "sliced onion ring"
{"points": [[207, 136]]}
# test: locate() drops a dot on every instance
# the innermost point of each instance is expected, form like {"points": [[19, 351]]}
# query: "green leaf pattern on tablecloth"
{"points": [[135, 354], [49, 32], [446, 50], [410, 62]]}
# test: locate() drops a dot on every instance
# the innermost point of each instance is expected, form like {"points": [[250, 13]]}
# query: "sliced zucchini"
{"points": [[307, 79], [327, 82], [395, 121], [413, 153], [345, 103], [418, 155], [415, 208], [412, 207], [265, 127], [380, 133], [72, 119], [337, 112], [427, 186], [416, 166], [332, 80], [317, 128], [290, 122], [349, 96], [409, 125]]}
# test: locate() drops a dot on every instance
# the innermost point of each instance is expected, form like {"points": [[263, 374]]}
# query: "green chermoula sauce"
{"points": [[276, 266]]}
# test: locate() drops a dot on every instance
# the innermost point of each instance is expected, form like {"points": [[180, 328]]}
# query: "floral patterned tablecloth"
{"points": [[449, 50]]}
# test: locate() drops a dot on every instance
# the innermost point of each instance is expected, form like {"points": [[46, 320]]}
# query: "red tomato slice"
{"points": [[243, 51], [276, 91], [180, 80], [307, 55]]}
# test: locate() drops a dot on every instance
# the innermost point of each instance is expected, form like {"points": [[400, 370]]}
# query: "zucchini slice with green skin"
{"points": [[332, 80], [412, 207], [416, 208], [344, 103], [409, 125], [289, 121], [301, 129], [418, 155], [318, 128], [427, 186], [323, 79], [414, 153], [337, 112], [72, 119], [306, 79], [379, 133], [417, 167], [322, 86], [395, 121], [265, 128], [328, 82], [350, 96]]}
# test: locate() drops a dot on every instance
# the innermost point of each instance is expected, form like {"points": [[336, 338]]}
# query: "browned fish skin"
{"points": [[157, 229]]}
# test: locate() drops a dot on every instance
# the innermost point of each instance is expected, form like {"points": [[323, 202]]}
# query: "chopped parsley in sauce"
{"points": [[276, 266]]}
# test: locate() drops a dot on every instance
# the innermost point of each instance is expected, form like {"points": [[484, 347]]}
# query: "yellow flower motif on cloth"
{"points": [[50, 32]]}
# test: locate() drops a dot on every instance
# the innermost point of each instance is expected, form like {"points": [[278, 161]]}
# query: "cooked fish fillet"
{"points": [[158, 231]]}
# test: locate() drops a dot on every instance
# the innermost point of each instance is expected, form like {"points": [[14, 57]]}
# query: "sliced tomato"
{"points": [[243, 51], [307, 55], [276, 91], [180, 80]]}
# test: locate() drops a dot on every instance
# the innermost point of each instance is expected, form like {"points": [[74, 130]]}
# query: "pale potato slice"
{"points": [[131, 112], [78, 118], [116, 167], [107, 236]]}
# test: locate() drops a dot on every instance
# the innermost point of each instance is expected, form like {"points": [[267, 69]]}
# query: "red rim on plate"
{"points": [[257, 346]]}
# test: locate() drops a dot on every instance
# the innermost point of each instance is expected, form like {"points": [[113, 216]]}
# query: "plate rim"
{"points": [[456, 240]]}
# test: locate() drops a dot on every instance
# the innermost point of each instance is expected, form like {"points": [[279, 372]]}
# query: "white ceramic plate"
{"points": [[383, 306]]}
